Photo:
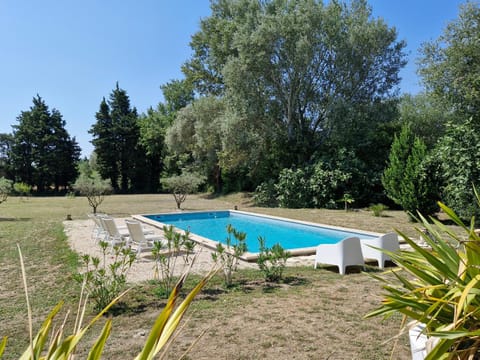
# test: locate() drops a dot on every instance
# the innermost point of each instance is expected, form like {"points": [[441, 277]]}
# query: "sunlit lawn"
{"points": [[35, 224]]}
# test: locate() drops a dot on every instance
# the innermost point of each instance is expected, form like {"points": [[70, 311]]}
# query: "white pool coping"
{"points": [[248, 256]]}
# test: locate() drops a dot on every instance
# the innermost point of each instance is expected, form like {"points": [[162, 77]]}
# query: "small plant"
{"points": [[272, 261], [104, 282], [228, 256], [347, 199], [165, 256], [378, 209]]}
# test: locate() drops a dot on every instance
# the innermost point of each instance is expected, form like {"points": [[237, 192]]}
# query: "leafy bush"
{"points": [[325, 185], [378, 209], [265, 194], [165, 255], [228, 256], [438, 287], [105, 282], [458, 154], [22, 188], [182, 185], [272, 261], [293, 188], [5, 189]]}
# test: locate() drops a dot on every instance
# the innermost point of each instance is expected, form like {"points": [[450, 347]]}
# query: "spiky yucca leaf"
{"points": [[441, 287], [169, 318], [3, 344]]}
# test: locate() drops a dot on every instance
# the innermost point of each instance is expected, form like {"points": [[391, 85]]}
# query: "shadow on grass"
{"points": [[15, 219]]}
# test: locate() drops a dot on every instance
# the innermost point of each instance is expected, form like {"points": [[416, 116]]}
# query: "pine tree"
{"points": [[116, 141], [407, 179], [43, 154]]}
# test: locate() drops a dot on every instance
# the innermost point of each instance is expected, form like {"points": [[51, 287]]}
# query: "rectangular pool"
{"points": [[298, 237]]}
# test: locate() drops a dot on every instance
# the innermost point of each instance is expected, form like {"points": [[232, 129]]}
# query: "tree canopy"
{"points": [[43, 154]]}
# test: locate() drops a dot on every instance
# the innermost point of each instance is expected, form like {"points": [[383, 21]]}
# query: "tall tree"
{"points": [[196, 135], [299, 77], [449, 66], [116, 140], [43, 153], [154, 125], [6, 142]]}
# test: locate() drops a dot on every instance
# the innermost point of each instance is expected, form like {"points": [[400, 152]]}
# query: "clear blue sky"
{"points": [[72, 53]]}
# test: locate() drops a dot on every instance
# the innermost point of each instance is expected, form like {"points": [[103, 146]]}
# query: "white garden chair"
{"points": [[371, 248], [342, 254]]}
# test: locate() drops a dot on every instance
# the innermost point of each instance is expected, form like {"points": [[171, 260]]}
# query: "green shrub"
{"points": [[105, 282], [228, 256], [293, 189], [265, 194], [378, 209], [22, 189], [272, 261], [165, 255]]}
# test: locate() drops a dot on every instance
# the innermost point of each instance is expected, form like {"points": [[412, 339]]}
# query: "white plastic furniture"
{"points": [[114, 236], [342, 254], [387, 241], [138, 238]]}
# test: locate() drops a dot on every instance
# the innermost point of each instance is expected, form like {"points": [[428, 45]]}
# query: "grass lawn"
{"points": [[313, 314]]}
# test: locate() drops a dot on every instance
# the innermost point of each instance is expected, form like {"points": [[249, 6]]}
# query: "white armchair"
{"points": [[342, 254], [387, 241]]}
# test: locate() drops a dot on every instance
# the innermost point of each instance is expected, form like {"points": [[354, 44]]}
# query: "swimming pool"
{"points": [[298, 237]]}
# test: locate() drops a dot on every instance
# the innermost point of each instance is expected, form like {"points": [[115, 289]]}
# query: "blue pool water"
{"points": [[290, 234]]}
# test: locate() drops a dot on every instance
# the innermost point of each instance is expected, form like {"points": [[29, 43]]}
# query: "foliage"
{"points": [[5, 189], [154, 124], [272, 261], [228, 256], [406, 179], [93, 188], [311, 76], [439, 288], [43, 154], [449, 66], [459, 157], [377, 209], [182, 185], [53, 343], [22, 188], [196, 134], [103, 281], [347, 199], [293, 188], [165, 255], [425, 115], [265, 194], [120, 156], [326, 182]]}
